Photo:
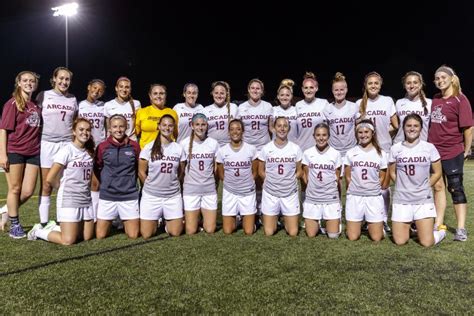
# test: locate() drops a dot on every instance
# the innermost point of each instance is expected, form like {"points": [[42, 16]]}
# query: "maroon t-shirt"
{"points": [[23, 128], [448, 118]]}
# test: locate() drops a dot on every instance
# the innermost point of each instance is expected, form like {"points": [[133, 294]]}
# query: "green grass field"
{"points": [[236, 274]]}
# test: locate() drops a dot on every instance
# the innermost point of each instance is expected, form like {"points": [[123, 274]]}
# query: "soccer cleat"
{"points": [[365, 227], [32, 232], [461, 234], [386, 228], [413, 229], [117, 223], [17, 232]]}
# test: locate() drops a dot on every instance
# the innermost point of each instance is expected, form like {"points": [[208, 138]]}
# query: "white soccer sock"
{"points": [[95, 203], [43, 234], [386, 202], [439, 235], [45, 201]]}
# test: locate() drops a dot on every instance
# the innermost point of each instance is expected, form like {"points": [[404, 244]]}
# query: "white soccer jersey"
{"points": [[185, 114], [365, 169], [162, 179], [322, 179], [218, 121], [280, 168], [256, 120], [199, 177], [74, 187], [58, 112], [413, 172], [94, 112], [404, 107], [342, 126], [114, 107], [289, 113], [380, 111], [308, 116], [238, 178]]}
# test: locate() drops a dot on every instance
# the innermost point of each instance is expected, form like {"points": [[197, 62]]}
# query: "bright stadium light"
{"points": [[66, 10]]}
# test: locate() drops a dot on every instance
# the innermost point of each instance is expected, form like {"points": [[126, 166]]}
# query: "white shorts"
{"points": [[152, 208], [48, 151], [109, 210], [369, 207], [197, 202], [74, 214], [327, 211], [273, 206], [406, 213], [232, 204]]}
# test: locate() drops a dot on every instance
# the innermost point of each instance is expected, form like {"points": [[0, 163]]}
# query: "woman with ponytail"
{"points": [[199, 186], [220, 113], [20, 149], [451, 133], [286, 108], [71, 175], [414, 102]]}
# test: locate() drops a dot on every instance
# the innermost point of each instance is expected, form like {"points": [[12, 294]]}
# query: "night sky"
{"points": [[174, 42]]}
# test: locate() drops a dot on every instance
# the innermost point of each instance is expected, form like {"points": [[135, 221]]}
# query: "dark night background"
{"points": [[174, 42]]}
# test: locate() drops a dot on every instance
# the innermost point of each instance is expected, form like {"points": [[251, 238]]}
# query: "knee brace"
{"points": [[456, 189]]}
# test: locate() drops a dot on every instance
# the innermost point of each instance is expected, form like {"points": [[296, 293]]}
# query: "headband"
{"points": [[122, 78], [366, 125], [447, 70]]}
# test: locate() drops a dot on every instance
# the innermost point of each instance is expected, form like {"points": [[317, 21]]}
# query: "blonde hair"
{"points": [[310, 76], [286, 83], [256, 80], [338, 77], [456, 83], [422, 93], [20, 100], [365, 97]]}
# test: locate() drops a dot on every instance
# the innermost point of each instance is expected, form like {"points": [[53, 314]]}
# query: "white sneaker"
{"points": [[32, 233]]}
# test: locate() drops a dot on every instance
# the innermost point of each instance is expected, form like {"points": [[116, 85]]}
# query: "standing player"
{"points": [[280, 167], [186, 110], [58, 110], [146, 123], [160, 168], [410, 164], [321, 174], [115, 165], [19, 149], [71, 174], [199, 186], [93, 109], [380, 110], [123, 104], [415, 101], [237, 167], [451, 133], [341, 116], [310, 111], [286, 109], [365, 171], [220, 113]]}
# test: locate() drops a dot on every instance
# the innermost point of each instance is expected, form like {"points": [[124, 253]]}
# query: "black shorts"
{"points": [[454, 165], [15, 159]]}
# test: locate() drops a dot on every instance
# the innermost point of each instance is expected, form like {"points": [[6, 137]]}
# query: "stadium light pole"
{"points": [[66, 10]]}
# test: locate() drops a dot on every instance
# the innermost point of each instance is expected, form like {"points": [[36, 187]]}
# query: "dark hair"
{"points": [[422, 93], [89, 145], [365, 96], [55, 74], [157, 149], [322, 125], [412, 116], [236, 121], [374, 141], [226, 86]]}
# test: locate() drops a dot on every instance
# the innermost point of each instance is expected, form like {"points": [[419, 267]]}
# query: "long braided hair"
{"points": [[157, 149], [226, 86], [365, 97], [195, 117]]}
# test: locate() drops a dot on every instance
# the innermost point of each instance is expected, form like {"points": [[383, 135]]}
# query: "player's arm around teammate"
{"points": [[19, 149], [280, 167], [115, 165], [199, 188], [410, 164], [71, 175], [365, 172], [237, 167], [322, 170], [160, 167]]}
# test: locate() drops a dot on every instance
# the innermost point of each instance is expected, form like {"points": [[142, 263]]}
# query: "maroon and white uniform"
{"points": [[114, 107], [380, 111], [290, 114], [404, 107], [185, 115], [218, 121], [308, 116], [94, 112], [256, 120], [341, 122]]}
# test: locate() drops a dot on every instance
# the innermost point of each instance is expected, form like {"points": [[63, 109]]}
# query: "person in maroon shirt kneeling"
{"points": [[20, 148], [451, 133]]}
